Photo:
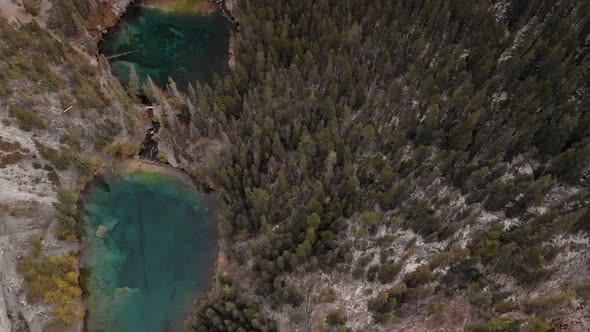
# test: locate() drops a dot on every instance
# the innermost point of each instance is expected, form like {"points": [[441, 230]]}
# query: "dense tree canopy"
{"points": [[345, 117]]}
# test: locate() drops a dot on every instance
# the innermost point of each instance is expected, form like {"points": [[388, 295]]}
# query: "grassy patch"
{"points": [[53, 155], [26, 119], [9, 147], [11, 159]]}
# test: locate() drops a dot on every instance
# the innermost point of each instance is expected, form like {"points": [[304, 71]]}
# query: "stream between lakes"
{"points": [[150, 241]]}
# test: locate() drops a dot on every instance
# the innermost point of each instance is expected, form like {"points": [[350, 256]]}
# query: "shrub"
{"points": [[480, 298], [32, 6], [68, 223], [388, 300], [388, 272], [506, 306], [64, 16], [385, 240], [72, 139], [85, 166], [548, 304], [436, 308], [36, 242], [131, 119], [27, 120], [52, 155], [106, 134], [53, 177], [9, 147], [325, 295], [336, 318], [582, 289], [11, 159], [422, 275], [53, 280], [46, 73], [500, 194], [372, 272], [536, 324], [122, 149], [450, 257], [494, 324]]}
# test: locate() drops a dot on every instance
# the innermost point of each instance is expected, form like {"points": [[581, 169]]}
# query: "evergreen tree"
{"points": [[133, 83]]}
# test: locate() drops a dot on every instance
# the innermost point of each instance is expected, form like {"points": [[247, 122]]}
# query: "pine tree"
{"points": [[133, 84]]}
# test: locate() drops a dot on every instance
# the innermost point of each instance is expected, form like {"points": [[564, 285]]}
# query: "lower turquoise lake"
{"points": [[158, 254], [187, 47]]}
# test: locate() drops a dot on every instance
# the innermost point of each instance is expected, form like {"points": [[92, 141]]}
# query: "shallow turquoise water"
{"points": [[157, 258], [187, 47]]}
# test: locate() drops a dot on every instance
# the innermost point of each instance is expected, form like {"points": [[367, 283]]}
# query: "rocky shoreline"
{"points": [[105, 15], [201, 6], [108, 13]]}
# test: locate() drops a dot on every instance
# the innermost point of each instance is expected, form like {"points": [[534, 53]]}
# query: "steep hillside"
{"points": [[384, 165], [406, 165], [62, 116]]}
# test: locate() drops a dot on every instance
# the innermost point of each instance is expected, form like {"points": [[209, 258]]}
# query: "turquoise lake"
{"points": [[157, 257], [188, 47]]}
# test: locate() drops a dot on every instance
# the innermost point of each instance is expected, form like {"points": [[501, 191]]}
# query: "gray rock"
{"points": [[101, 231]]}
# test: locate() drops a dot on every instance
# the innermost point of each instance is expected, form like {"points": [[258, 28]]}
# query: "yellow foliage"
{"points": [[54, 279], [72, 277]]}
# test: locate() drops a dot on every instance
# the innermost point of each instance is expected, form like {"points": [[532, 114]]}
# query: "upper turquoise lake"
{"points": [[188, 47], [157, 257]]}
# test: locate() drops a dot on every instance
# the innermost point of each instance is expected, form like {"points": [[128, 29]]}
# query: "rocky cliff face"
{"points": [[59, 104], [4, 322], [104, 14]]}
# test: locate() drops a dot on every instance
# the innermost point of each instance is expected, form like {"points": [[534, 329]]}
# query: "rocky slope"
{"points": [[392, 168], [448, 211], [103, 14], [61, 111], [63, 118]]}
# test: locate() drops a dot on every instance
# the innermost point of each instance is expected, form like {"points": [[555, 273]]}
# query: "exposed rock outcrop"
{"points": [[104, 14], [101, 231], [4, 321], [29, 177]]}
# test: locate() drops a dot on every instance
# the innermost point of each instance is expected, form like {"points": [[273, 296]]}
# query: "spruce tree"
{"points": [[133, 84]]}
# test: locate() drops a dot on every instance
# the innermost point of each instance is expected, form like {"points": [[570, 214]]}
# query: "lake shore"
{"points": [[129, 169], [194, 6], [130, 166]]}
